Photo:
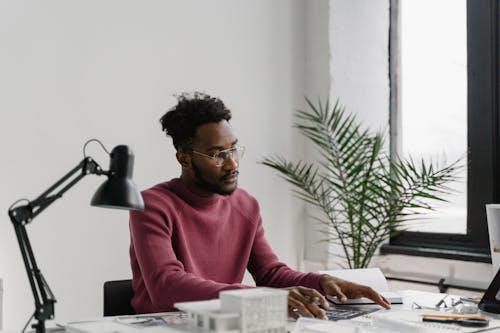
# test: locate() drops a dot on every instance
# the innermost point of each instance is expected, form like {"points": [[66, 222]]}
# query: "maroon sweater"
{"points": [[185, 247]]}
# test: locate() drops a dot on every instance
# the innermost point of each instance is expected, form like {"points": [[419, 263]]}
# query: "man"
{"points": [[198, 233]]}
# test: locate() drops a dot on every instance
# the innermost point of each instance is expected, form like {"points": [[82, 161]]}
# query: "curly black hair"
{"points": [[191, 111]]}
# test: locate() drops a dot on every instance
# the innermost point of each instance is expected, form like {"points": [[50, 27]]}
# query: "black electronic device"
{"points": [[491, 298]]}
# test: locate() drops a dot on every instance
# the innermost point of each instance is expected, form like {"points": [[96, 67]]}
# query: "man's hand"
{"points": [[344, 289], [306, 302]]}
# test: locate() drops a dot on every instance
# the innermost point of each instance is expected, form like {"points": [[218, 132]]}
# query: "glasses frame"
{"points": [[220, 161], [451, 305]]}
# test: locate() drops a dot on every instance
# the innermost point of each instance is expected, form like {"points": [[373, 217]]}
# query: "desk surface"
{"points": [[404, 317]]}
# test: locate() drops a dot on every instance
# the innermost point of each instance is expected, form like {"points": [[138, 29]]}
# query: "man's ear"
{"points": [[183, 158]]}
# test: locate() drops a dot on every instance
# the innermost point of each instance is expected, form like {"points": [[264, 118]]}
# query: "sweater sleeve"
{"points": [[267, 270], [164, 277]]}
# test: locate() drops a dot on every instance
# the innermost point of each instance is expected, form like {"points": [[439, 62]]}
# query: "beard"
{"points": [[208, 186]]}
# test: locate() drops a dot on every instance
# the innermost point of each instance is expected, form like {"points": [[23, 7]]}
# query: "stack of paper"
{"points": [[308, 325], [149, 323]]}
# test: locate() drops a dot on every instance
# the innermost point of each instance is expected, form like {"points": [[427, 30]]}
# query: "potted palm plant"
{"points": [[363, 195]]}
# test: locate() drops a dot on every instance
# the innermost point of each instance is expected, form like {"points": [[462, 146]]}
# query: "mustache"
{"points": [[230, 174]]}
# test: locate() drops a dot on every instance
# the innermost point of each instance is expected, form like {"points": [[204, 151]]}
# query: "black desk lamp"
{"points": [[118, 191]]}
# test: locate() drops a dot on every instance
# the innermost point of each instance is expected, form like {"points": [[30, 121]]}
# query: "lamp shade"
{"points": [[119, 191]]}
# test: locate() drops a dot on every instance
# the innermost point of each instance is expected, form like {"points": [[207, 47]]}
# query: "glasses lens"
{"points": [[240, 151], [234, 153]]}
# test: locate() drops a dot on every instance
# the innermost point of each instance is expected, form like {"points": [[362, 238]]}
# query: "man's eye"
{"points": [[221, 154]]}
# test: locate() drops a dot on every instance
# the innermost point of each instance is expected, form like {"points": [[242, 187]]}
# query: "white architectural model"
{"points": [[256, 310]]}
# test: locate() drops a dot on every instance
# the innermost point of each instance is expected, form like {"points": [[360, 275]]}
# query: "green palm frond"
{"points": [[363, 196]]}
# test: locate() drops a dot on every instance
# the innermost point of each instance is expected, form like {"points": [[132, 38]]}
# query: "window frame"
{"points": [[483, 142]]}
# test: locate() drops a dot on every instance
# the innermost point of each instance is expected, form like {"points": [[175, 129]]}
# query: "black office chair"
{"points": [[117, 297]]}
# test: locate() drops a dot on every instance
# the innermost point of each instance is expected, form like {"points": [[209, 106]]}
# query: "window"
{"points": [[454, 128], [433, 87]]}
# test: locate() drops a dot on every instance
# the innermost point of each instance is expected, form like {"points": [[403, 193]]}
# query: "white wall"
{"points": [[352, 37], [359, 63], [74, 70], [317, 86]]}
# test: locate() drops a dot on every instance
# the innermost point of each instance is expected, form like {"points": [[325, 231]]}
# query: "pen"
{"points": [[466, 322], [451, 316], [474, 300]]}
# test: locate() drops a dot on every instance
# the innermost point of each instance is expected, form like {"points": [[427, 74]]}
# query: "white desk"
{"points": [[401, 318], [357, 325]]}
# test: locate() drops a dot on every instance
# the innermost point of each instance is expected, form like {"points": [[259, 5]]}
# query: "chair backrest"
{"points": [[117, 297]]}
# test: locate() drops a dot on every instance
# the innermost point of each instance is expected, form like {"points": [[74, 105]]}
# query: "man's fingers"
{"points": [[344, 289], [292, 313], [313, 296], [306, 302], [365, 291], [377, 298], [337, 291], [300, 307]]}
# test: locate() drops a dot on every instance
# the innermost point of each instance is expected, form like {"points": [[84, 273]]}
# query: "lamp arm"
{"points": [[44, 298], [24, 214], [86, 166]]}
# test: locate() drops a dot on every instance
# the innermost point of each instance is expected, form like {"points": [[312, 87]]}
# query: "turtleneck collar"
{"points": [[178, 186]]}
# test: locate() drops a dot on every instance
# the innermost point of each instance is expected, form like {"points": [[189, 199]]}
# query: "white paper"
{"points": [[371, 277], [308, 325], [166, 322], [410, 321]]}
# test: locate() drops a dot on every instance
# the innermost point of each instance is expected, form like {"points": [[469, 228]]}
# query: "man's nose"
{"points": [[231, 163]]}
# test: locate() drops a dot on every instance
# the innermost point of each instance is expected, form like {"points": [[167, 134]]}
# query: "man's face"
{"points": [[207, 177]]}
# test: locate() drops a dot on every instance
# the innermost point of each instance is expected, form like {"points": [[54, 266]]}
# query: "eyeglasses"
{"points": [[451, 304], [220, 157]]}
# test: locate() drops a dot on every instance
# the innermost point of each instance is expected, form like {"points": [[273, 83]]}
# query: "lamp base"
{"points": [[58, 328]]}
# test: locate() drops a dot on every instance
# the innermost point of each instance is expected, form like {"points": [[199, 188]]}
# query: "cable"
{"points": [[442, 286], [93, 140], [29, 321]]}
